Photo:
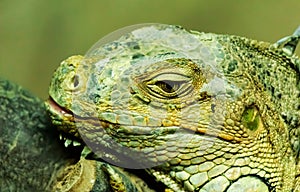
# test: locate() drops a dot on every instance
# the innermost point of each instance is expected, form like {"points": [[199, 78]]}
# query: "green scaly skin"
{"points": [[199, 111], [32, 158], [30, 153]]}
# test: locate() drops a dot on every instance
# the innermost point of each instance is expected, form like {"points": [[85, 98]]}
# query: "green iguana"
{"points": [[198, 111]]}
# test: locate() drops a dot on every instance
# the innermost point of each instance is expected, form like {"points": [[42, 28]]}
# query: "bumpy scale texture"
{"points": [[32, 158], [199, 111]]}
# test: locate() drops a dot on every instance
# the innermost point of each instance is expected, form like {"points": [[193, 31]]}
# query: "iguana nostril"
{"points": [[73, 82], [76, 81]]}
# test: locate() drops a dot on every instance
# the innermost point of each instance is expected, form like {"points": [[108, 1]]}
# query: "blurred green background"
{"points": [[35, 35]]}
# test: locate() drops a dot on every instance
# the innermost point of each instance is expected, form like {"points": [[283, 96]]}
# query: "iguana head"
{"points": [[161, 95]]}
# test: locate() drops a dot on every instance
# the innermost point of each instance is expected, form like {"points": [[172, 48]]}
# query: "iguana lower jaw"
{"points": [[63, 119], [54, 108]]}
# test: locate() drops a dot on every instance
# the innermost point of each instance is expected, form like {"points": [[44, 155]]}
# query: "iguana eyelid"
{"points": [[171, 77]]}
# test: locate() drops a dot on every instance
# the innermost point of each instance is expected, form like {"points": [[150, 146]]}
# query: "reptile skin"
{"points": [[32, 158], [29, 152], [198, 111]]}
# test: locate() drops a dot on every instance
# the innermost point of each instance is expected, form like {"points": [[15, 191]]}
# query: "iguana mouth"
{"points": [[70, 117], [72, 138], [68, 135], [104, 140], [54, 106]]}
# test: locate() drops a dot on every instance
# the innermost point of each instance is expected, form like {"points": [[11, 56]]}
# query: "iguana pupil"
{"points": [[169, 86]]}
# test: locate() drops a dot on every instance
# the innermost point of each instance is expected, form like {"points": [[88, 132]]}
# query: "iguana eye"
{"points": [[170, 79], [169, 85]]}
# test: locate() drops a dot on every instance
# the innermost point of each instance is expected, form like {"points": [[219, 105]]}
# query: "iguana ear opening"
{"points": [[289, 44], [294, 134]]}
